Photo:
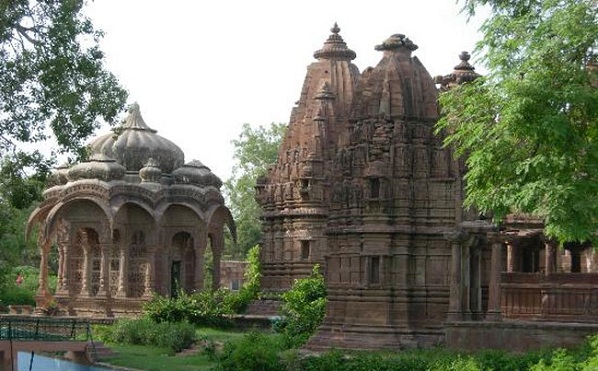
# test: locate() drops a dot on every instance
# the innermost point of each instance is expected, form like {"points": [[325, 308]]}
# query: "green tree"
{"points": [[53, 85], [255, 149], [529, 129], [304, 308], [52, 76]]}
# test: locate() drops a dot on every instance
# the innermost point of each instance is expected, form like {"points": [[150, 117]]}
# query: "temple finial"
{"points": [[335, 29]]}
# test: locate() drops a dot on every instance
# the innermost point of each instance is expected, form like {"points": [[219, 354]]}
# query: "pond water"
{"points": [[41, 363]]}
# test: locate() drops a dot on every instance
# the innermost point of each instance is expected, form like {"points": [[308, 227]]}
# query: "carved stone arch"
{"points": [[218, 216], [118, 204], [38, 216], [51, 219], [162, 208]]}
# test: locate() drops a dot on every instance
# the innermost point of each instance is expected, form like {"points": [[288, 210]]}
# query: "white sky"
{"points": [[200, 69]]}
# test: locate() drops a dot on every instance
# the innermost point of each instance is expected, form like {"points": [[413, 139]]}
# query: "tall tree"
{"points": [[529, 128], [52, 75], [53, 83], [255, 149]]}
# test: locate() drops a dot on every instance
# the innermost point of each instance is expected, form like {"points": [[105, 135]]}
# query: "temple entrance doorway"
{"points": [[183, 264]]}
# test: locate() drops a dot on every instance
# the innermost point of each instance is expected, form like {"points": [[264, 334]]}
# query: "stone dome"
{"points": [[134, 143], [196, 173], [98, 167]]}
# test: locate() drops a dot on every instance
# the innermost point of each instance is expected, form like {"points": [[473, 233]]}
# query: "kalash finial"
{"points": [[335, 29], [335, 47], [464, 64]]}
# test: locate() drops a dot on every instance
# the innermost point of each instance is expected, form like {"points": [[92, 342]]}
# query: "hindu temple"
{"points": [[133, 220], [365, 187]]}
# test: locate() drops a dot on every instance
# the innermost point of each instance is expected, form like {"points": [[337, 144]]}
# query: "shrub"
{"points": [[304, 308], [204, 308], [254, 352], [144, 331]]}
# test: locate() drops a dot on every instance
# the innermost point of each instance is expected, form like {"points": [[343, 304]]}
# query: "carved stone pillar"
{"points": [[43, 290], [494, 291], [456, 288], [103, 290], [149, 272], [476, 283], [217, 248], [122, 272], [510, 256], [466, 281], [591, 260], [550, 256], [200, 248], [86, 274]]}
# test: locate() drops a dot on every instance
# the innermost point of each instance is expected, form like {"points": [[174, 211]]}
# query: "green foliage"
{"points": [[238, 301], [529, 130], [497, 360], [15, 249], [255, 352], [52, 75], [144, 331], [255, 149], [204, 308], [12, 293], [304, 308]]}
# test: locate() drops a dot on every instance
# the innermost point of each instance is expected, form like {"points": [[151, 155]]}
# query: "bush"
{"points": [[304, 308], [204, 308], [144, 331], [254, 352]]}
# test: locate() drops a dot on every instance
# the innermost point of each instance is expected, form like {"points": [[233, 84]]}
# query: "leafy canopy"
{"points": [[255, 149], [529, 130], [52, 76]]}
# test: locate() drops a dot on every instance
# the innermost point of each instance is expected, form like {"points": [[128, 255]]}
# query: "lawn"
{"points": [[150, 358]]}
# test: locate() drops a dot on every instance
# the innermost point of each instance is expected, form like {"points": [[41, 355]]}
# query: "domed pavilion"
{"points": [[133, 220]]}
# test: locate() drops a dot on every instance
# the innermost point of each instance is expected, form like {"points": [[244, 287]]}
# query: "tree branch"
{"points": [[23, 32]]}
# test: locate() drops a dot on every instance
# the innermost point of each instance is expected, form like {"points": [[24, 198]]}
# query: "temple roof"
{"points": [[335, 47], [134, 143]]}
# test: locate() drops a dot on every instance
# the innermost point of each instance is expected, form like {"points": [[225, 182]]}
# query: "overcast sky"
{"points": [[200, 69]]}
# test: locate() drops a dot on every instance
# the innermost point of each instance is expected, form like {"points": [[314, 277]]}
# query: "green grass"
{"points": [[148, 358], [157, 359]]}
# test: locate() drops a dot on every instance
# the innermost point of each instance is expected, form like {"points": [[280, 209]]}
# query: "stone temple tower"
{"points": [[394, 197], [295, 194]]}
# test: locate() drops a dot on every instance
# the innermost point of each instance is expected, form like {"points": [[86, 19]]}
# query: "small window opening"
{"points": [[304, 183], [375, 269], [305, 249], [375, 188]]}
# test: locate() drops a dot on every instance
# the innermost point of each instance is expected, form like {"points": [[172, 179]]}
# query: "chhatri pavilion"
{"points": [[132, 220]]}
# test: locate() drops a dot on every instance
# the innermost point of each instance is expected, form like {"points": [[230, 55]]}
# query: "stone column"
{"points": [[476, 284], [122, 272], [103, 290], [43, 290], [200, 248], [550, 256], [456, 290], [86, 274], [217, 248], [63, 241], [149, 272], [591, 260], [466, 281], [510, 256], [494, 291]]}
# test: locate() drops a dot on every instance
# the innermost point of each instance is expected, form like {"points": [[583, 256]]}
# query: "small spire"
{"points": [[464, 64], [335, 47], [324, 92], [335, 29], [396, 42], [134, 120]]}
